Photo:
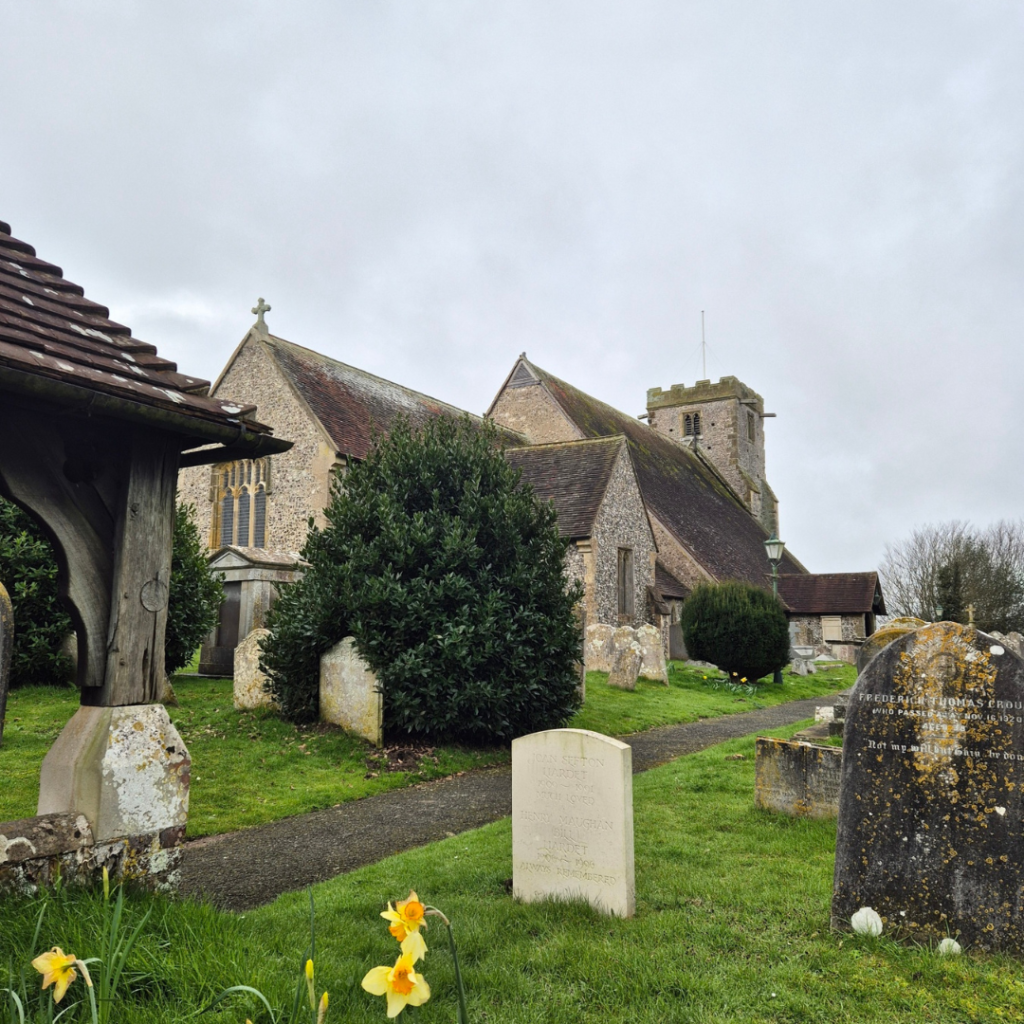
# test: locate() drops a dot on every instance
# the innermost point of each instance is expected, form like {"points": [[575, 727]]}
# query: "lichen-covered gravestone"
{"points": [[931, 808], [6, 649], [572, 819], [250, 683], [350, 695]]}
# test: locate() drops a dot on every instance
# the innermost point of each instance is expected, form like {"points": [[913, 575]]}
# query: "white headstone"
{"points": [[653, 666], [572, 819], [349, 693], [597, 648], [249, 690]]}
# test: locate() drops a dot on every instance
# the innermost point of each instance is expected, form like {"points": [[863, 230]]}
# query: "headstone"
{"points": [[652, 649], [6, 649], [884, 636], [798, 779], [931, 816], [250, 683], [597, 651], [626, 667], [572, 819], [350, 696]]}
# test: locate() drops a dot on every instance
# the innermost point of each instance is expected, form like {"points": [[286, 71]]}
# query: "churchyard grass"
{"points": [[692, 694], [732, 925], [251, 767]]}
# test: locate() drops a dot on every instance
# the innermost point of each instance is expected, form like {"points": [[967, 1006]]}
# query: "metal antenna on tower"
{"points": [[703, 346]]}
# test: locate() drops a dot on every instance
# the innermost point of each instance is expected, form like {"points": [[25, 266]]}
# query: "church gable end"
{"points": [[269, 500], [525, 405]]}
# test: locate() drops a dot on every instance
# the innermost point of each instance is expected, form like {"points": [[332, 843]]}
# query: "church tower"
{"points": [[724, 422]]}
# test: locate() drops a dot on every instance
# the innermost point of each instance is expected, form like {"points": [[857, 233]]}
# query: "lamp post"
{"points": [[775, 549]]}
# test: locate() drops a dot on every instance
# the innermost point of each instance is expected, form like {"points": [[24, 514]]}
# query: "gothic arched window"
{"points": [[687, 425], [239, 492]]}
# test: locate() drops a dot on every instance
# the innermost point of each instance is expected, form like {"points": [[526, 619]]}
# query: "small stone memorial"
{"points": [[931, 807], [572, 819], [350, 696], [653, 665], [597, 647], [250, 689], [629, 657]]}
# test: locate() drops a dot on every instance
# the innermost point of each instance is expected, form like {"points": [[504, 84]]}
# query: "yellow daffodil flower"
{"points": [[322, 1012], [406, 917], [401, 984], [415, 945], [311, 992], [56, 967]]}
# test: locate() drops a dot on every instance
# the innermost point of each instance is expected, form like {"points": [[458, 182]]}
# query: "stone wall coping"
{"points": [[45, 835]]}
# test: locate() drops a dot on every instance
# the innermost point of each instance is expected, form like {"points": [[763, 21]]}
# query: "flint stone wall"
{"points": [[34, 852], [798, 779]]}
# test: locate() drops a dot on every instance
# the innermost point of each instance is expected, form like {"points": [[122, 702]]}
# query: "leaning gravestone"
{"points": [[572, 819], [931, 807], [626, 665], [6, 649], [250, 683], [597, 648], [350, 696], [652, 646]]}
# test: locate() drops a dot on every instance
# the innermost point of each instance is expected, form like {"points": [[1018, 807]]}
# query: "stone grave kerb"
{"points": [[931, 807]]}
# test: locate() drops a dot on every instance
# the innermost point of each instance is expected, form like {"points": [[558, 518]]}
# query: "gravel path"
{"points": [[244, 869]]}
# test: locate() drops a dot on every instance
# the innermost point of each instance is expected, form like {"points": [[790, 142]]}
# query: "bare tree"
{"points": [[943, 568]]}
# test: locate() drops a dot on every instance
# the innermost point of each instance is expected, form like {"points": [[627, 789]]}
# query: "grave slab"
{"points": [[931, 808], [572, 819]]}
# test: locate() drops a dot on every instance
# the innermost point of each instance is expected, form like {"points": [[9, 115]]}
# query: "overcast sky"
{"points": [[425, 189]]}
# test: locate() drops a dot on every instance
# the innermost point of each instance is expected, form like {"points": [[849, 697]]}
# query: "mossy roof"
{"points": [[573, 475], [352, 404], [681, 490]]}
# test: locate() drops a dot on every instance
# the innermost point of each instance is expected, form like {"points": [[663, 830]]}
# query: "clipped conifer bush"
{"points": [[740, 628], [450, 576]]}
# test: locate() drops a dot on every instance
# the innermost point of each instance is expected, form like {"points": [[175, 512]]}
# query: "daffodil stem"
{"points": [[463, 1015]]}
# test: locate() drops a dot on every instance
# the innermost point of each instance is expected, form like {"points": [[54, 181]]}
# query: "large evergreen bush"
{"points": [[28, 569], [740, 628], [29, 572], [450, 576], [195, 593]]}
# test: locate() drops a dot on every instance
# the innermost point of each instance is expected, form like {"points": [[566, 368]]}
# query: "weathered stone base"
{"points": [[35, 852], [798, 779], [125, 769]]}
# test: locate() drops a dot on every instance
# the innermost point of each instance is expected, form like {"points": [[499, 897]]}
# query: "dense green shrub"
{"points": [[29, 572], [195, 593], [740, 628], [28, 569], [450, 576]]}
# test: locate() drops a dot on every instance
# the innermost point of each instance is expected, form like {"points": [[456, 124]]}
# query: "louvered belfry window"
{"points": [[239, 494]]}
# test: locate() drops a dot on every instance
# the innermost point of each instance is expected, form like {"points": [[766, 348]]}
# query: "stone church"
{"points": [[651, 508]]}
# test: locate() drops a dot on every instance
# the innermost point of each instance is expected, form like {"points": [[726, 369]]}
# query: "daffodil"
{"points": [[321, 1015], [401, 984], [415, 945], [309, 985], [56, 967], [406, 917]]}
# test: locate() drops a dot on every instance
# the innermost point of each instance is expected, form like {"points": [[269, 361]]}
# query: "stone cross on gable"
{"points": [[259, 309]]}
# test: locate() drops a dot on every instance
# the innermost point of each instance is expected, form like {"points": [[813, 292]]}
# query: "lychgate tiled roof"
{"points": [[833, 593], [573, 475], [54, 341], [680, 489], [352, 404]]}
